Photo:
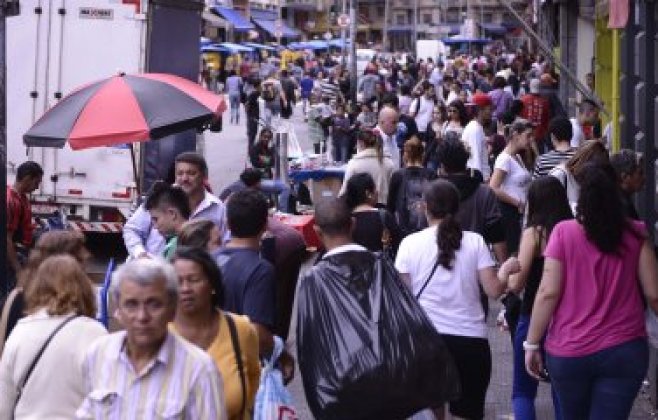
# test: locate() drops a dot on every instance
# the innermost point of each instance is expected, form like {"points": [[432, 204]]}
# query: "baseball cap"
{"points": [[481, 100], [535, 84]]}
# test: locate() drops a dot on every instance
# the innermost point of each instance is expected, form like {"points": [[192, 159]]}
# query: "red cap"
{"points": [[481, 100]]}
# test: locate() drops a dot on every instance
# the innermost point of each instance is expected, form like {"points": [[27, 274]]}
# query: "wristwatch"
{"points": [[529, 346]]}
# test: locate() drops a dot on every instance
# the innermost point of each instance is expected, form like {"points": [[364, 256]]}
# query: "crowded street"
{"points": [[332, 210]]}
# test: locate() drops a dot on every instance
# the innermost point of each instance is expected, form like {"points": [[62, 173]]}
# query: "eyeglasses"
{"points": [[452, 110]]}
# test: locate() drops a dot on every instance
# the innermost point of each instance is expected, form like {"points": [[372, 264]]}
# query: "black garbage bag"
{"points": [[366, 348]]}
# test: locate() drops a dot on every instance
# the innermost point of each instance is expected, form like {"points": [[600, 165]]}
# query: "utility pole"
{"points": [[3, 147], [343, 37], [415, 23], [353, 75], [387, 17]]}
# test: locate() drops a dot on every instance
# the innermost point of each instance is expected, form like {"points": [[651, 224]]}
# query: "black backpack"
{"points": [[268, 91], [411, 212]]}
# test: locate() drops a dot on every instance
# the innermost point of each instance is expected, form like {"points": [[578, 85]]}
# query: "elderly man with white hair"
{"points": [[145, 371], [387, 127]]}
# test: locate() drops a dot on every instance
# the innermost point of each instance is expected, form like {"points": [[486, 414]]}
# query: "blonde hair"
{"points": [[61, 286], [196, 233], [413, 150]]}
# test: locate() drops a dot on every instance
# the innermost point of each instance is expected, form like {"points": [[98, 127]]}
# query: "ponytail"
{"points": [[449, 238]]}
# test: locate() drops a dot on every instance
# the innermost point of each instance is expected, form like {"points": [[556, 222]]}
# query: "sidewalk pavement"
{"points": [[498, 403]]}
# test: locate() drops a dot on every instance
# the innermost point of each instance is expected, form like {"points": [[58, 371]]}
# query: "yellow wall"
{"points": [[606, 68]]}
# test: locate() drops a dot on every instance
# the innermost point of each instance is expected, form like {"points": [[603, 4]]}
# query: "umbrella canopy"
{"points": [[125, 109]]}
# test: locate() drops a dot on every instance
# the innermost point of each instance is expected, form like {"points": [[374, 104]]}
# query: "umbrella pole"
{"points": [[132, 158]]}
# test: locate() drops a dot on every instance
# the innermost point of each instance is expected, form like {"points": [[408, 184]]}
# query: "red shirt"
{"points": [[537, 110], [19, 217]]}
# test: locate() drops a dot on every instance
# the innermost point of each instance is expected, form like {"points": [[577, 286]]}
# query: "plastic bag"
{"points": [[273, 401], [366, 348]]}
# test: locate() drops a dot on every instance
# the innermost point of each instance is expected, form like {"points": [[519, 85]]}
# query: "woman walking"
{"points": [[231, 340], [547, 206], [597, 269], [445, 266], [52, 339], [510, 181]]}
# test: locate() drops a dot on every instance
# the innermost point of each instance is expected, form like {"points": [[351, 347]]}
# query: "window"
{"points": [[487, 17], [400, 19], [427, 18]]}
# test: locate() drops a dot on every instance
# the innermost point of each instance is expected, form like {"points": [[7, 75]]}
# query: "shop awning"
{"points": [[338, 43], [269, 26], [258, 46], [494, 28], [235, 18], [316, 45], [214, 48], [235, 48]]}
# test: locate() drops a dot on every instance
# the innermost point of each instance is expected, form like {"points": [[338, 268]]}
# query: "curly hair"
{"points": [[61, 286]]}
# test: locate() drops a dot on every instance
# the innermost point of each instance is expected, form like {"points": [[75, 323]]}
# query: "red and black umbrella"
{"points": [[125, 109]]}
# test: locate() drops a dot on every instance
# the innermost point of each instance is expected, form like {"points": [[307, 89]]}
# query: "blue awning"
{"points": [[338, 43], [269, 26], [316, 45], [214, 48], [494, 28], [235, 48], [453, 41], [258, 46], [239, 22]]}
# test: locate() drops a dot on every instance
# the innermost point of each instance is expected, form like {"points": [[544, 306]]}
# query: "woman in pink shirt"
{"points": [[596, 269]]}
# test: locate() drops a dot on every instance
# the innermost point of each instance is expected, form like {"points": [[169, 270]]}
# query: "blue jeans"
{"points": [[524, 387], [234, 101], [600, 386], [278, 187]]}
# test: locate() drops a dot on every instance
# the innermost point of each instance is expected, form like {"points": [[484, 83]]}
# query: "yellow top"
{"points": [[222, 352]]}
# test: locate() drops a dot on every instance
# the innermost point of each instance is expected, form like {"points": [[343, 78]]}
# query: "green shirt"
{"points": [[170, 248]]}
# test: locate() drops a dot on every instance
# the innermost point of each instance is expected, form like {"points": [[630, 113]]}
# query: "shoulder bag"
{"points": [[422, 289], [38, 357], [238, 359]]}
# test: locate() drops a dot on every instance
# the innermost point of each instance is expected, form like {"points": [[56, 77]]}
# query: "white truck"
{"points": [[53, 47], [431, 48]]}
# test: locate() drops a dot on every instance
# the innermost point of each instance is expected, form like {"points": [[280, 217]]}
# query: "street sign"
{"points": [[343, 20]]}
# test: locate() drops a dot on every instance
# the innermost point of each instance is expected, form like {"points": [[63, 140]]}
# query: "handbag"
{"points": [[38, 357], [238, 359]]}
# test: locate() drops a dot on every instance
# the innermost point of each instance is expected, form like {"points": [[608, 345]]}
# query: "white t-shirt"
{"points": [[424, 114], [474, 139], [451, 298], [578, 137], [517, 178]]}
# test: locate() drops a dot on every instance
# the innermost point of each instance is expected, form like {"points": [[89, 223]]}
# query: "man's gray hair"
{"points": [[144, 272]]}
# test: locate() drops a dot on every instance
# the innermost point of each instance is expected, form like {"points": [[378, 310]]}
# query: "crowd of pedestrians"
{"points": [[466, 175]]}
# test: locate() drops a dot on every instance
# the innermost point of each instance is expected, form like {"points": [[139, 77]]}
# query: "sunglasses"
{"points": [[452, 110]]}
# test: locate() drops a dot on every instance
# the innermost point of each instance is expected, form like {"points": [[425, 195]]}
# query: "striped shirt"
{"points": [[181, 382], [550, 160]]}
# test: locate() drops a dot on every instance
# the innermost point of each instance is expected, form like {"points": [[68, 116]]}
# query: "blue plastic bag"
{"points": [[273, 401]]}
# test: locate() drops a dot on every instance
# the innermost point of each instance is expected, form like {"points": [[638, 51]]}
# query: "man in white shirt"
{"points": [[139, 234], [588, 112], [146, 371], [388, 129], [422, 108], [474, 138]]}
